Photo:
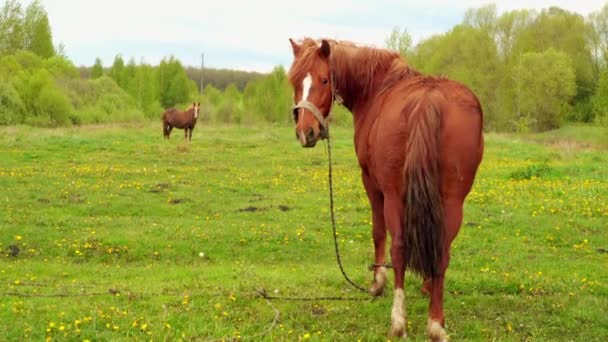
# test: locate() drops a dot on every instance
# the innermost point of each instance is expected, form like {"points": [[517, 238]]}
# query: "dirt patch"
{"points": [[178, 200], [250, 209], [284, 208]]}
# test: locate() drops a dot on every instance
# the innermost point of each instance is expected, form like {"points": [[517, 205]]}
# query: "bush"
{"points": [[12, 108], [55, 105]]}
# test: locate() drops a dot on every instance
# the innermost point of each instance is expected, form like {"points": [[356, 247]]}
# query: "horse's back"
{"points": [[460, 129], [168, 114]]}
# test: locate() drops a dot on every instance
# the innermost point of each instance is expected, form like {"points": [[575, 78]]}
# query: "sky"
{"points": [[249, 35]]}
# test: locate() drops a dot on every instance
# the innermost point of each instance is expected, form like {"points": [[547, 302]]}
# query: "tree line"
{"points": [[532, 71]]}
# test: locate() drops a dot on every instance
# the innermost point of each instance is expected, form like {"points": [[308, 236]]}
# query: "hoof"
{"points": [[376, 290], [398, 332], [435, 331], [380, 277]]}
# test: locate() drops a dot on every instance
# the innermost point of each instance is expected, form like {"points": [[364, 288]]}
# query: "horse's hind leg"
{"points": [[393, 209], [436, 320], [168, 129], [376, 201]]}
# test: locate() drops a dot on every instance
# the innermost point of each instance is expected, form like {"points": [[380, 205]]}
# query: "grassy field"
{"points": [[111, 233]]}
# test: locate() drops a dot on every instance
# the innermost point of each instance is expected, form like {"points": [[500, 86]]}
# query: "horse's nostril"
{"points": [[310, 134]]}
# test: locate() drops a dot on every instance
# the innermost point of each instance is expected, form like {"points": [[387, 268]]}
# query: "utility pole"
{"points": [[202, 70]]}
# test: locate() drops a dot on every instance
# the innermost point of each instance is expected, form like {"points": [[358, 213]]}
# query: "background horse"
{"points": [[419, 143], [178, 119]]}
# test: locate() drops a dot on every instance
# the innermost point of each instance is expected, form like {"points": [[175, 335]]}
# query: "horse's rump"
{"points": [[168, 114]]}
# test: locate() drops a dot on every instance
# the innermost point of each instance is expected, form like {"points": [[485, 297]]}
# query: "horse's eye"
{"points": [[324, 81], [295, 115]]}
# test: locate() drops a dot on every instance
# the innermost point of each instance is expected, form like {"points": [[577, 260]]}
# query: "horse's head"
{"points": [[196, 107], [310, 76]]}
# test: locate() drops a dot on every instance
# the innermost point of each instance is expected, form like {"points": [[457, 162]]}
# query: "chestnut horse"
{"points": [[178, 119], [419, 143]]}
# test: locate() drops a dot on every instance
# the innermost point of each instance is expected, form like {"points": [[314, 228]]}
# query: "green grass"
{"points": [[110, 222]]}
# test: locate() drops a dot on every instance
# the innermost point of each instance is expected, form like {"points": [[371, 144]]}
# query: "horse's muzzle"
{"points": [[308, 139]]}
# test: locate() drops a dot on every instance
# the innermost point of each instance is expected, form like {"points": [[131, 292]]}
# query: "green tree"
{"points": [[509, 26], [562, 31], [599, 100], [12, 108], [174, 85], [45, 102], [147, 90], [11, 27], [399, 40], [481, 18], [468, 55], [38, 37], [97, 70], [116, 71], [597, 38], [546, 82], [61, 68], [230, 109], [210, 102], [269, 98]]}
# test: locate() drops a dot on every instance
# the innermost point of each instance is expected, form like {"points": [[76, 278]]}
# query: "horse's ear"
{"points": [[295, 47], [325, 49]]}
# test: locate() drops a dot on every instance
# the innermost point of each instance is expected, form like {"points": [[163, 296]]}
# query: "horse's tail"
{"points": [[423, 222]]}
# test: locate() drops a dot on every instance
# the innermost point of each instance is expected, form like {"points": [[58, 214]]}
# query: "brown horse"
{"points": [[419, 143], [185, 120]]}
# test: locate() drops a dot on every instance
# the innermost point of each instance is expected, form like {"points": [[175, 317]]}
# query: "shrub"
{"points": [[12, 108]]}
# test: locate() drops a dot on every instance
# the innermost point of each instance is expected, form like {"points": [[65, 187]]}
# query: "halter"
{"points": [[323, 120]]}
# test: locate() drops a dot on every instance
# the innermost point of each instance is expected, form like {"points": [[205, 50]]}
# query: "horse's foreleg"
{"points": [[190, 134], [393, 214], [436, 321], [376, 201]]}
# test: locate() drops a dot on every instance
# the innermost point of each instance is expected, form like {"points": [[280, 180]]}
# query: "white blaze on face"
{"points": [[306, 84], [196, 109]]}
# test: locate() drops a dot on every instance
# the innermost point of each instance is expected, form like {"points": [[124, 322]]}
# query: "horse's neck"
{"points": [[359, 82], [356, 81]]}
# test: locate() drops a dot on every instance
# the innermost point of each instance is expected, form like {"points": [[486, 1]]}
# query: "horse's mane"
{"points": [[360, 68]]}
